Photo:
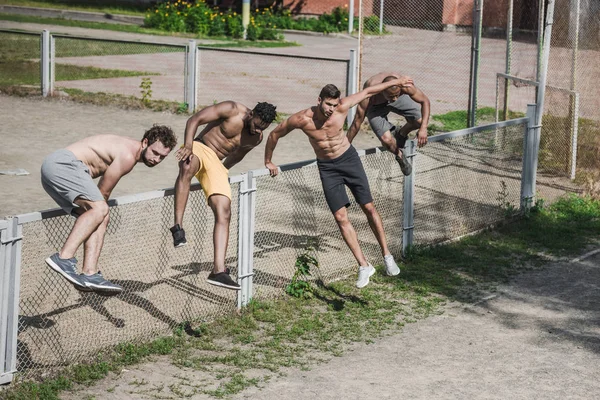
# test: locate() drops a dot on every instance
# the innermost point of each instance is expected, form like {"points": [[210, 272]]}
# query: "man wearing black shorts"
{"points": [[339, 166], [407, 101]]}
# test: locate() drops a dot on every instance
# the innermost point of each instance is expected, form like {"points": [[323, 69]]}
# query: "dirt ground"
{"points": [[535, 338]]}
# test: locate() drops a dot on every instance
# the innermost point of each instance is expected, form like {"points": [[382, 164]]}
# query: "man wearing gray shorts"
{"points": [[407, 101], [67, 176]]}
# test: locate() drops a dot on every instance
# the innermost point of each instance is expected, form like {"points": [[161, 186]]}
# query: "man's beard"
{"points": [[145, 160]]}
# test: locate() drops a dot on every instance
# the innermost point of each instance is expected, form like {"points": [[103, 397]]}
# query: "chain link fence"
{"points": [[20, 59], [289, 82], [463, 181]]}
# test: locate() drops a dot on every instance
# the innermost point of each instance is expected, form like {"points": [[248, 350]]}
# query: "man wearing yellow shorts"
{"points": [[231, 131]]}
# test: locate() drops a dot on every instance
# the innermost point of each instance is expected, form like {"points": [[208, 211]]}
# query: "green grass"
{"points": [[105, 6], [270, 336], [28, 73], [456, 120]]}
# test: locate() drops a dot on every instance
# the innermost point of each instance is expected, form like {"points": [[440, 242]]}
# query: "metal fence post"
{"points": [[509, 31], [528, 174], [10, 273], [45, 62], [408, 200], [350, 17], [381, 2], [52, 64], [351, 85], [574, 130], [191, 86], [246, 238], [475, 56]]}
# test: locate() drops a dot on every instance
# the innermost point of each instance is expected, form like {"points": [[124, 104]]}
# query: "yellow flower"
{"points": [[147, 15], [189, 6], [274, 26], [166, 14], [185, 15], [178, 13], [220, 13], [234, 13], [167, 6], [155, 11], [205, 12], [257, 10]]}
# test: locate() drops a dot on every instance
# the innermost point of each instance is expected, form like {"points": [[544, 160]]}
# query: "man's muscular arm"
{"points": [[223, 110], [285, 127], [120, 166], [419, 97]]}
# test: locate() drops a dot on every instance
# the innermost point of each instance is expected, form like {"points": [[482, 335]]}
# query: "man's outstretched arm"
{"points": [[216, 112], [280, 131], [359, 117], [352, 100], [419, 97]]}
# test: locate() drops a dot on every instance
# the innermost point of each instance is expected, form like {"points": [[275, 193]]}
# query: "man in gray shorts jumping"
{"points": [[407, 101], [67, 176], [340, 166]]}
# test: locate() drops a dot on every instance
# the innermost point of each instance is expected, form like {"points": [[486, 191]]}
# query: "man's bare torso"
{"points": [[326, 136], [226, 135], [100, 151]]}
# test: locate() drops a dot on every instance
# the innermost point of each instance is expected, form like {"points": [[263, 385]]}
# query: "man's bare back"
{"points": [[376, 80], [99, 152]]}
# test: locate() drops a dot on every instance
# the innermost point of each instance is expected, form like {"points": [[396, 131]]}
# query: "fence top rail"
{"points": [[20, 32], [259, 53], [476, 129], [55, 212], [3, 224], [516, 78], [67, 36]]}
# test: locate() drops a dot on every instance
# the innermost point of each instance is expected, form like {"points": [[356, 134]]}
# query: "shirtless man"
{"points": [[339, 165], [232, 130], [67, 176], [408, 101]]}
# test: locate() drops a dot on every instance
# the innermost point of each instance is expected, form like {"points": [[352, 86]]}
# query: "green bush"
{"points": [[200, 18]]}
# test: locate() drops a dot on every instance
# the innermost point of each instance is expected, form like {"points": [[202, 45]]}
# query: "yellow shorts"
{"points": [[212, 175]]}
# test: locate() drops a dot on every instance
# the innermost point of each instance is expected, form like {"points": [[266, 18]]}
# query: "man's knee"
{"points": [[188, 168], [341, 216], [387, 139], [369, 208], [98, 209], [221, 206]]}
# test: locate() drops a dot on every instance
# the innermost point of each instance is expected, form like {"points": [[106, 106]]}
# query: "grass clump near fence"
{"points": [[200, 18], [238, 351]]}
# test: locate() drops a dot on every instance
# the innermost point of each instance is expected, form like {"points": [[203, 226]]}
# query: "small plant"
{"points": [[507, 208], [146, 87], [182, 108], [299, 286]]}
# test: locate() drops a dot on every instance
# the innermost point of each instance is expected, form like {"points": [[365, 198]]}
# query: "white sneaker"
{"points": [[364, 273], [391, 268]]}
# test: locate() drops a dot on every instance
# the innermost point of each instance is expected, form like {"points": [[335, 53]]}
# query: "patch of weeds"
{"points": [[506, 207], [146, 91], [300, 286]]}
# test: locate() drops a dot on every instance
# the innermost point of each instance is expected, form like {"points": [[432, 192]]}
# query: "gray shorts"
{"points": [[65, 178], [404, 106]]}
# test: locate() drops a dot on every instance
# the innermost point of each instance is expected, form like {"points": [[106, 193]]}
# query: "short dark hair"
{"points": [[330, 92], [162, 133], [389, 78], [266, 112]]}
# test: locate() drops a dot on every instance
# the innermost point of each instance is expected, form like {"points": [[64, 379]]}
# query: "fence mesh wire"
{"points": [[19, 59], [117, 67], [290, 83], [465, 183], [163, 285]]}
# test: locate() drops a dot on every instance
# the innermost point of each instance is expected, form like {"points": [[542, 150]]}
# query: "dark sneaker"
{"points": [[222, 279], [400, 139], [98, 284], [405, 165], [68, 269], [178, 236]]}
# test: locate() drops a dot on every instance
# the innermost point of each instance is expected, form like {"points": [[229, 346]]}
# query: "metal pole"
{"points": [[528, 174], [241, 234], [475, 47], [540, 41], [381, 16], [574, 98], [192, 76], [245, 17], [45, 62], [408, 200], [544, 65], [351, 81], [360, 41], [350, 16], [575, 130], [509, 30], [251, 202]]}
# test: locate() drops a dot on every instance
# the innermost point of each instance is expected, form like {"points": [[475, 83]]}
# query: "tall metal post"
{"points": [[540, 43], [10, 283], [528, 174], [52, 64], [247, 207], [544, 64], [351, 84], [475, 55], [408, 199], [574, 98], [45, 63], [509, 29], [191, 82], [245, 16], [350, 16], [381, 2]]}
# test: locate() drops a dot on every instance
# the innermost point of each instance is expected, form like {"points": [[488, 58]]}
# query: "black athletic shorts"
{"points": [[347, 170]]}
